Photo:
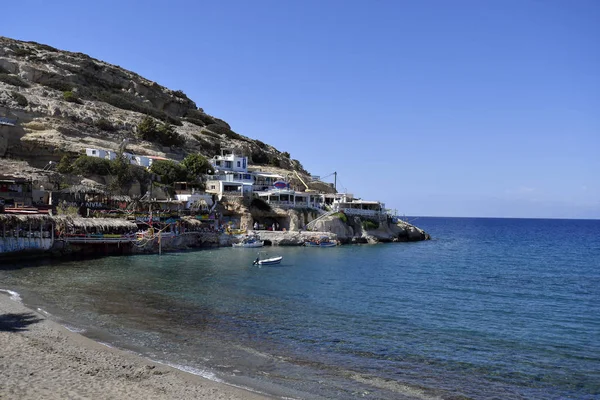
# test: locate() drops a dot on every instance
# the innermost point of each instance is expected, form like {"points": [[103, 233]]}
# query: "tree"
{"points": [[197, 166], [65, 165], [169, 171]]}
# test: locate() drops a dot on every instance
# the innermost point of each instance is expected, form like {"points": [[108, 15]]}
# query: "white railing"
{"points": [[312, 223], [360, 211]]}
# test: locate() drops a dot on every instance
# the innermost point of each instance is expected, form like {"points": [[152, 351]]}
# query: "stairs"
{"points": [[311, 224]]}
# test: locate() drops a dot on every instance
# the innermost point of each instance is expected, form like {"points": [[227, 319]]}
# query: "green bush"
{"points": [[21, 52], [260, 157], [58, 85], [370, 225], [341, 216], [85, 165], [105, 125], [20, 99], [13, 80], [163, 133], [200, 116], [180, 94], [194, 121], [169, 171], [211, 134], [196, 166], [121, 169], [221, 130], [44, 46], [65, 165], [72, 97], [286, 154], [126, 101]]}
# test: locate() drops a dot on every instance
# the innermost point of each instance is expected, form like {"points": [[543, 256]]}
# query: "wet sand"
{"points": [[40, 359]]}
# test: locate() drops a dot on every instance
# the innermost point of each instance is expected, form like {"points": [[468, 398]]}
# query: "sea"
{"points": [[488, 309]]}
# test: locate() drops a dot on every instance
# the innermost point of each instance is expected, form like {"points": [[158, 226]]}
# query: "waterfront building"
{"points": [[15, 191], [365, 208], [25, 233], [288, 198]]}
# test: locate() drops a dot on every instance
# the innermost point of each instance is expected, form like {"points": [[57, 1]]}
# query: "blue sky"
{"points": [[444, 108]]}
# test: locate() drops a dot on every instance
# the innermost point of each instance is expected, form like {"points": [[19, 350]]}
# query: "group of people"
{"points": [[274, 227]]}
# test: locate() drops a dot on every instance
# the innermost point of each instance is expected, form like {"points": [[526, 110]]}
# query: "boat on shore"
{"points": [[323, 241], [266, 261], [249, 242]]}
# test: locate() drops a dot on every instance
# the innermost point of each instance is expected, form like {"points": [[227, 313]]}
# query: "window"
{"points": [[228, 164], [212, 187], [93, 151], [218, 163], [239, 164]]}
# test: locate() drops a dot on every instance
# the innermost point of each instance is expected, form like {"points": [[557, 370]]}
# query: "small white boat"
{"points": [[266, 261], [249, 242]]}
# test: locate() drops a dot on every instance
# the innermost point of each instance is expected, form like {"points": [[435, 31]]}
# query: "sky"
{"points": [[464, 108]]}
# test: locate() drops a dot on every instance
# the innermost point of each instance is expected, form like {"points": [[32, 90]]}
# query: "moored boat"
{"points": [[266, 261], [323, 241], [249, 242]]}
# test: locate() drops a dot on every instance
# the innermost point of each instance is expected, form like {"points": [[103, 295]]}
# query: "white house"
{"points": [[228, 161], [106, 154], [96, 153]]}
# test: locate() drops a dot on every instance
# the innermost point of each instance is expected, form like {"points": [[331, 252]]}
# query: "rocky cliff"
{"points": [[64, 102]]}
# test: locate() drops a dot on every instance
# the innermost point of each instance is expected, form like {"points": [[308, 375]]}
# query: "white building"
{"points": [[288, 198], [228, 161], [360, 207], [106, 154]]}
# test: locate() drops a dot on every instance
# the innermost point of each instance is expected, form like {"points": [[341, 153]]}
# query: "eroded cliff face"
{"points": [[64, 102], [353, 230]]}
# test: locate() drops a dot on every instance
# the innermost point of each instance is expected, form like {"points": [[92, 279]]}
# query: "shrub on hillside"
{"points": [[370, 225], [260, 157], [72, 97], [126, 101], [3, 70], [105, 125], [341, 216], [59, 85], [200, 116], [20, 99], [194, 121], [85, 165], [163, 133], [65, 165], [22, 52], [13, 80], [44, 46]]}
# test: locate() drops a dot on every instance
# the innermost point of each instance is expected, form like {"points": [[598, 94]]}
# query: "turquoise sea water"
{"points": [[489, 309]]}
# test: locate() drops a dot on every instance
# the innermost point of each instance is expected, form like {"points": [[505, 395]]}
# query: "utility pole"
{"points": [[335, 181]]}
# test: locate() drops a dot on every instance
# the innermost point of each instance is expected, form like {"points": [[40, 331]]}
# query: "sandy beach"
{"points": [[40, 359]]}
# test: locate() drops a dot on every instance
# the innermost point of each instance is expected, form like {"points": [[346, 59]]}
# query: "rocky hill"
{"points": [[64, 102]]}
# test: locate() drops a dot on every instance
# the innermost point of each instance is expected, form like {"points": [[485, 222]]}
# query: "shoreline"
{"points": [[42, 359]]}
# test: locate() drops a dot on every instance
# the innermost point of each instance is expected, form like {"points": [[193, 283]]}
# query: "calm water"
{"points": [[491, 308]]}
